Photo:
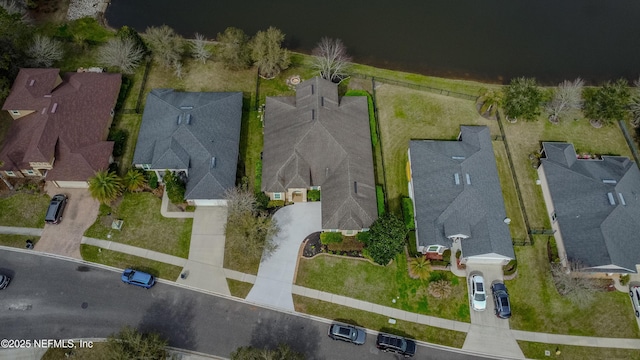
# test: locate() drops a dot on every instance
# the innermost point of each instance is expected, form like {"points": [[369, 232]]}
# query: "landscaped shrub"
{"points": [[152, 179], [411, 243], [552, 250], [510, 268], [275, 204], [407, 212], [387, 238], [363, 236], [380, 199], [262, 200], [175, 187], [313, 195], [458, 254], [124, 91], [330, 237], [440, 289], [348, 244], [624, 279]]}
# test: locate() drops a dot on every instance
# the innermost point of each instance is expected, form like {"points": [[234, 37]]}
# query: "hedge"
{"points": [[275, 204], [380, 199], [407, 213], [313, 195]]}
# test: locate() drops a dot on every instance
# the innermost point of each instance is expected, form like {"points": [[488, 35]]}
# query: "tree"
{"points": [[15, 36], [166, 45], [268, 54], [126, 32], [199, 49], [522, 99], [419, 268], [234, 50], [175, 187], [489, 102], [105, 186], [634, 106], [134, 180], [130, 344], [121, 53], [386, 238], [572, 284], [282, 352], [330, 59], [607, 103], [566, 97], [44, 51], [14, 7]]}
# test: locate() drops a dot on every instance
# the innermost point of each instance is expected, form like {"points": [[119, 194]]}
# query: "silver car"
{"points": [[634, 292], [478, 293]]}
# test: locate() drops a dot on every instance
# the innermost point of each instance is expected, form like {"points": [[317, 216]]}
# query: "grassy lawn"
{"points": [[534, 350], [537, 306], [406, 114], [131, 124], [24, 210], [144, 226], [17, 241], [239, 288], [517, 226], [378, 322], [381, 284], [122, 261], [98, 351]]}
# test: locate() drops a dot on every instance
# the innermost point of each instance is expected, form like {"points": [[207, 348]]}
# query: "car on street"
{"points": [[501, 302], [347, 333], [478, 293], [138, 278], [634, 292], [4, 281], [396, 344], [55, 209]]}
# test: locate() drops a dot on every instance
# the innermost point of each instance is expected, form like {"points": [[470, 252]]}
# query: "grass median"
{"points": [[123, 261]]}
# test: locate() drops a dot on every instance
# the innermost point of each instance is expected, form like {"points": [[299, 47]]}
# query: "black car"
{"points": [[347, 333], [4, 281], [501, 300], [56, 207], [396, 344]]}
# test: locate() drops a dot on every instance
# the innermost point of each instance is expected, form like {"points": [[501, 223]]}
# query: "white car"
{"points": [[478, 293], [634, 292]]}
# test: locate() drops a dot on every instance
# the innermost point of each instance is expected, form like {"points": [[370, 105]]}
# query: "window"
{"points": [[146, 166], [553, 216], [10, 173], [30, 172], [15, 112], [277, 196]]}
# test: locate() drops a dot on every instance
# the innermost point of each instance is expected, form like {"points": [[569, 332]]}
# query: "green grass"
{"points": [[512, 206], [144, 226], [378, 322], [98, 351], [131, 124], [538, 307], [381, 284], [123, 261], [380, 200], [17, 241], [239, 289], [24, 210], [534, 350]]}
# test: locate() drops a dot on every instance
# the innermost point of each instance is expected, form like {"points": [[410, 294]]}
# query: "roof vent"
{"points": [[355, 187], [622, 199], [54, 108], [185, 107], [313, 114], [326, 172], [32, 82], [189, 118], [609, 181], [458, 157], [457, 178], [612, 200], [47, 95], [44, 110], [312, 89], [213, 162], [179, 119], [468, 179]]}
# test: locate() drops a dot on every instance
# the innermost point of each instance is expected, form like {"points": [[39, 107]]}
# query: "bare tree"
{"points": [[634, 105], [233, 48], [572, 284], [122, 53], [331, 59], [166, 45], [268, 54], [199, 49], [44, 51], [240, 201], [177, 69], [567, 96]]}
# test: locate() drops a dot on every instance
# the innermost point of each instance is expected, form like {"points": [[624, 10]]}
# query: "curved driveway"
{"points": [[275, 276]]}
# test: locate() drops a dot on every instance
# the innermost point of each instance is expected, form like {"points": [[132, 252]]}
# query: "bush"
{"points": [[458, 254], [119, 138], [624, 279], [552, 250], [438, 276], [407, 212], [175, 187], [275, 204], [446, 254], [363, 236], [380, 199], [330, 237], [124, 91], [411, 243], [510, 268], [152, 179], [387, 239], [313, 195], [262, 200]]}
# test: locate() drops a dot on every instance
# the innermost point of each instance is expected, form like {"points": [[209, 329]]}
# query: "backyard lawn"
{"points": [[512, 206], [363, 280], [144, 226], [538, 307], [24, 210], [534, 350]]}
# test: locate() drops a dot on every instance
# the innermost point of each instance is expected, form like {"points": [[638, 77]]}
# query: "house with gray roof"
{"points": [[195, 134], [316, 140], [594, 208], [457, 198]]}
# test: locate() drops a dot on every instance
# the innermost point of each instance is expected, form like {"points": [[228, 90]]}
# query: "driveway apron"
{"points": [[274, 282]]}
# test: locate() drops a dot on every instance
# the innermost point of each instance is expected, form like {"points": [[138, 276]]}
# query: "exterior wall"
{"points": [[35, 172], [42, 165], [562, 253], [272, 195], [497, 260], [12, 174], [344, 232], [71, 184], [302, 191]]}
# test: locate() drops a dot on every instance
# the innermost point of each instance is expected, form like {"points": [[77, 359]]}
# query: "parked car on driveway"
{"points": [[55, 209], [501, 301], [4, 281], [138, 278], [396, 344], [634, 292], [347, 333], [478, 293]]}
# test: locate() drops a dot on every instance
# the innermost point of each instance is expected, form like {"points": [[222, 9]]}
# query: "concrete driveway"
{"points": [[79, 214], [275, 276]]}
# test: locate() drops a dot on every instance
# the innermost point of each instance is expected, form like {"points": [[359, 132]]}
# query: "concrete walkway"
{"points": [[273, 285]]}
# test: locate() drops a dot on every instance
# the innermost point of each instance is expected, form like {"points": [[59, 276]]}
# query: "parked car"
{"points": [[55, 209], [138, 278], [501, 300], [634, 292], [478, 293], [396, 344], [4, 281], [347, 333]]}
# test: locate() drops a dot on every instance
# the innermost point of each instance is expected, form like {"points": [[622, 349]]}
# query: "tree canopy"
{"points": [[268, 54], [386, 238], [233, 48], [130, 344], [607, 103], [522, 99]]}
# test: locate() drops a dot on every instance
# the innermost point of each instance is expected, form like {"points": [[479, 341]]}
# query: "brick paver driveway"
{"points": [[65, 237]]}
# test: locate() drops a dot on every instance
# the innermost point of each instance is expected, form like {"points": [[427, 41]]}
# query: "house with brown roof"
{"points": [[60, 125]]}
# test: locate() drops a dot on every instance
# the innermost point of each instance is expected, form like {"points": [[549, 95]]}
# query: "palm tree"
{"points": [[489, 102], [134, 180], [419, 268], [105, 186], [440, 289]]}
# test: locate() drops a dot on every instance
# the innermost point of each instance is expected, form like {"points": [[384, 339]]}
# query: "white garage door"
{"points": [[216, 202], [71, 184]]}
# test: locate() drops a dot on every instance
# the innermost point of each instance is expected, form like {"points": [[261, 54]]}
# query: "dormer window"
{"points": [[15, 112]]}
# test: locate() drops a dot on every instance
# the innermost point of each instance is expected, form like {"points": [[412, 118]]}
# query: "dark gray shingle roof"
{"points": [[457, 192], [186, 130]]}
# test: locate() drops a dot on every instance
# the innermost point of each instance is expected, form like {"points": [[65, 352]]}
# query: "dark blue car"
{"points": [[138, 278]]}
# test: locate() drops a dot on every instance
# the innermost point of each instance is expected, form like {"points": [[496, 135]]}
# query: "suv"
{"points": [[478, 293], [634, 292], [396, 344], [56, 206], [138, 278], [347, 333], [501, 300]]}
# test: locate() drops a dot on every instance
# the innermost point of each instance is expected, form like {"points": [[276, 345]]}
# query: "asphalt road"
{"points": [[50, 298]]}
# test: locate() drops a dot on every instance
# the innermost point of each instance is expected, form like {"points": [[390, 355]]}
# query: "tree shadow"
{"points": [[301, 336], [171, 321]]}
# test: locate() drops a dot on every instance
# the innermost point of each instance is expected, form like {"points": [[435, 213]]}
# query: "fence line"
{"points": [[375, 116], [417, 86], [256, 105], [630, 142], [147, 67]]}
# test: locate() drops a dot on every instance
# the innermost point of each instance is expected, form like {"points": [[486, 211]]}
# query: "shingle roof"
{"points": [[319, 139], [594, 231], [186, 131], [70, 121], [457, 192]]}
